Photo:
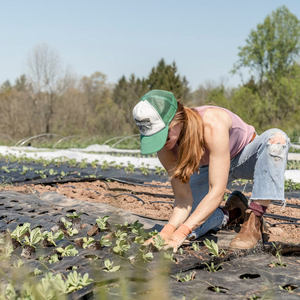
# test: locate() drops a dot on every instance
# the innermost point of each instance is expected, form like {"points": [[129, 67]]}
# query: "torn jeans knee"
{"points": [[277, 146]]}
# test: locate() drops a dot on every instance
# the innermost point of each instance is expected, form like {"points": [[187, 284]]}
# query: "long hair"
{"points": [[191, 142]]}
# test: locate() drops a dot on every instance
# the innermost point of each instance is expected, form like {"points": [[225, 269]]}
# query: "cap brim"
{"points": [[153, 143]]}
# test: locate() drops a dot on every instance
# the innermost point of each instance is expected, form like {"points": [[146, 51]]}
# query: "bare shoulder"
{"points": [[216, 118]]}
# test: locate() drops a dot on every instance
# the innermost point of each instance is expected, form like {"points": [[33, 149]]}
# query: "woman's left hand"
{"points": [[177, 238]]}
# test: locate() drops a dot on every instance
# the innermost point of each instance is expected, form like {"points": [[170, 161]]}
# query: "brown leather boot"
{"points": [[250, 233], [236, 205]]}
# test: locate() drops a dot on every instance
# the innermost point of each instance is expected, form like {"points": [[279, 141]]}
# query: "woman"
{"points": [[203, 149]]}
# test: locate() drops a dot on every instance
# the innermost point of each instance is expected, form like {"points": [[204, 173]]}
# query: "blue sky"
{"points": [[123, 37]]}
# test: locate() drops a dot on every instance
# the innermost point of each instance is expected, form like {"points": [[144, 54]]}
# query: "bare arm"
{"points": [[182, 191], [216, 136]]}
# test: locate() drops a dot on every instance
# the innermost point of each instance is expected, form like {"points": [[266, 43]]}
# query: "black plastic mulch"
{"points": [[242, 274]]}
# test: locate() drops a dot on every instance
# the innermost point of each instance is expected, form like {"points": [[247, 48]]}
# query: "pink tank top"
{"points": [[240, 134]]}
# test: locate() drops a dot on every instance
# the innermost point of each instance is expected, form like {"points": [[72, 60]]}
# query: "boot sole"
{"points": [[259, 246]]}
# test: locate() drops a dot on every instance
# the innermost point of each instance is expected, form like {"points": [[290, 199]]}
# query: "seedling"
{"points": [[145, 170], [75, 216], [213, 248], [52, 172], [121, 247], [159, 242], [87, 241], [75, 281], [19, 264], [59, 235], [68, 251], [34, 238], [278, 255], [145, 257], [20, 231], [83, 164], [121, 235], [130, 168], [68, 226], [94, 163], [104, 242], [211, 268], [119, 166], [196, 246], [159, 170], [169, 256], [53, 259], [105, 165], [109, 266], [186, 278], [139, 240], [25, 169], [101, 222], [37, 272], [41, 173], [153, 233]]}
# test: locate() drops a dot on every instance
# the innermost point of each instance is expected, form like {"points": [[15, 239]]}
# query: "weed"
{"points": [[213, 248], [212, 268], [186, 278]]}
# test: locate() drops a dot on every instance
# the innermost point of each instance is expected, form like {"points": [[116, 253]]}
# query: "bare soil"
{"points": [[155, 204]]}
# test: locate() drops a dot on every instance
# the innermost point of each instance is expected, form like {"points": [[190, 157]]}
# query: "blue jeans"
{"points": [[260, 161]]}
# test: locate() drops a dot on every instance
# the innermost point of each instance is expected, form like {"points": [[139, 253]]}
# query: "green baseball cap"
{"points": [[153, 114]]}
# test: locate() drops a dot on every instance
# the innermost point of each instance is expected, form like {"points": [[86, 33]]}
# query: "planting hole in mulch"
{"points": [[218, 289], [70, 268], [289, 287], [92, 257], [249, 276]]}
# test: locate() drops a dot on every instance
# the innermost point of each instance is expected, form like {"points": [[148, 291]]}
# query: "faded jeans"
{"points": [[260, 161]]}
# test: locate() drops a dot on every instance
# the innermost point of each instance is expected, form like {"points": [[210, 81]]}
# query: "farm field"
{"points": [[76, 228]]}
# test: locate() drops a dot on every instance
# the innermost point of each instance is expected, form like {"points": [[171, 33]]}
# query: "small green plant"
{"points": [[160, 170], [68, 226], [87, 241], [212, 268], [278, 255], [25, 170], [68, 251], [101, 222], [213, 248], [37, 272], [53, 258], [20, 231], [159, 242], [52, 172], [50, 237], [108, 266], [216, 289], [153, 233], [94, 163], [105, 165], [34, 237], [83, 164], [119, 166], [104, 242], [169, 256], [19, 263], [41, 173], [130, 168], [145, 169], [145, 257], [75, 216], [121, 235], [121, 247], [196, 246], [290, 185], [186, 278]]}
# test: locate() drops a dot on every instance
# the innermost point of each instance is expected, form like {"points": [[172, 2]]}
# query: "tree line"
{"points": [[50, 99]]}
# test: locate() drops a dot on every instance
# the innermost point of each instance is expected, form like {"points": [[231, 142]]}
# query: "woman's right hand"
{"points": [[165, 233]]}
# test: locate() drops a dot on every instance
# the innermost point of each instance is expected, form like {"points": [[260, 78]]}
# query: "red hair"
{"points": [[191, 142]]}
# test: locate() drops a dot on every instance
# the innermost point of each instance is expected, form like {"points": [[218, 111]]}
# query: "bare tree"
{"points": [[48, 80]]}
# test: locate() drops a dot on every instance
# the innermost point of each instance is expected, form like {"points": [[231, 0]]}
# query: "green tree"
{"points": [[165, 77], [127, 94], [273, 47]]}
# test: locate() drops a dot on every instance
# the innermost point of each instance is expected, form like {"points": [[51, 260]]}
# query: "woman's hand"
{"points": [[165, 233], [177, 238]]}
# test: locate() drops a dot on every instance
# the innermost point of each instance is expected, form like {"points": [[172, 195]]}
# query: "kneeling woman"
{"points": [[203, 149]]}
